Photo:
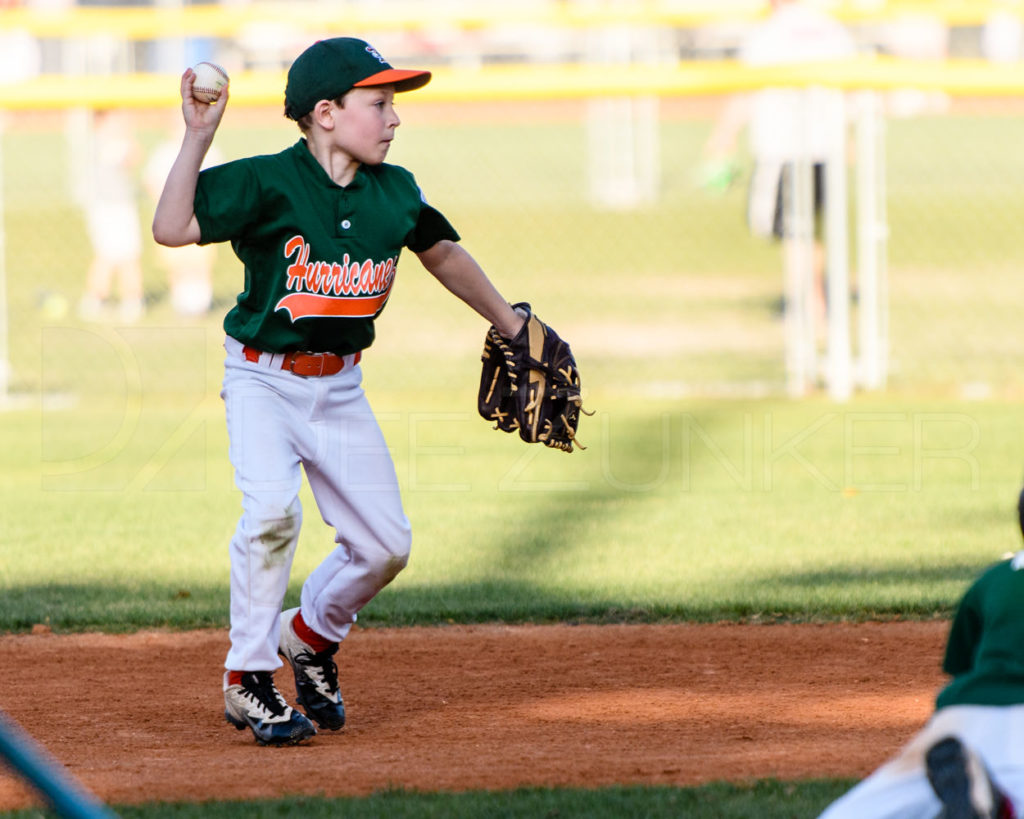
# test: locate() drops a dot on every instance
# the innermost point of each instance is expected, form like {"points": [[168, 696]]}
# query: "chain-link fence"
{"points": [[676, 285]]}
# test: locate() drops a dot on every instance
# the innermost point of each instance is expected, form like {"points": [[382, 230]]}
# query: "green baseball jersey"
{"points": [[985, 650], [320, 259]]}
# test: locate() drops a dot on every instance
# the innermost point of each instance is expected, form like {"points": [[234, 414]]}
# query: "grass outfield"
{"points": [[686, 510], [704, 495]]}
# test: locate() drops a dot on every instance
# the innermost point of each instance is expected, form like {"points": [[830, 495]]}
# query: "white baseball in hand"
{"points": [[210, 79]]}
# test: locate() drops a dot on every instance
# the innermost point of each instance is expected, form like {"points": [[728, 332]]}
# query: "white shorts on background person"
{"points": [[115, 231], [767, 214], [279, 424], [899, 789]]}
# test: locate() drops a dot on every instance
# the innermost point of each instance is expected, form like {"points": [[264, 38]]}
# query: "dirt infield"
{"points": [[138, 718]]}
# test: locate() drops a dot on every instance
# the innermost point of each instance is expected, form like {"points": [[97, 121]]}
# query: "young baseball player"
{"points": [[319, 229], [968, 760]]}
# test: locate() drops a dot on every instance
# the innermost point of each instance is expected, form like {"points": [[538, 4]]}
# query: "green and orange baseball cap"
{"points": [[329, 68]]}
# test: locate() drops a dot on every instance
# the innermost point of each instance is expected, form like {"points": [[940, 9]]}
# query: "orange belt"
{"points": [[305, 364]]}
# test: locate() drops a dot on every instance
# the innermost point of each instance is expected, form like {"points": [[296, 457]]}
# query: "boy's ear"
{"points": [[322, 114]]}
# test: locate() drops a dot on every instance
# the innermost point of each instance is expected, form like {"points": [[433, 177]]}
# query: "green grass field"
{"points": [[720, 800], [704, 493]]}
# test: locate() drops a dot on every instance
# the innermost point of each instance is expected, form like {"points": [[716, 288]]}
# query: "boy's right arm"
{"points": [[174, 221]]}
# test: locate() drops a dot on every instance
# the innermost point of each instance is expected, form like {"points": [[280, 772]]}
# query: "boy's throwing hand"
{"points": [[201, 115]]}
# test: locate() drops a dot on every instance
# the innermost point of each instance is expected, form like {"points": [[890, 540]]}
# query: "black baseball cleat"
{"points": [[257, 704], [959, 779], [316, 676]]}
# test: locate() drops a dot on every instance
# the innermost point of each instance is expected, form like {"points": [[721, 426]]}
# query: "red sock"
{"points": [[308, 636], [235, 677]]}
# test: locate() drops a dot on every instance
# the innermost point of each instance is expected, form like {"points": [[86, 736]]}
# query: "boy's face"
{"points": [[366, 124]]}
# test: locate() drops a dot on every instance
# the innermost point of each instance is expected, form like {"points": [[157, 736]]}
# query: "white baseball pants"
{"points": [[900, 789], [277, 422]]}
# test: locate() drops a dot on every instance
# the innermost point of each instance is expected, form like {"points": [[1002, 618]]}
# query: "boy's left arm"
{"points": [[459, 272], [529, 379]]}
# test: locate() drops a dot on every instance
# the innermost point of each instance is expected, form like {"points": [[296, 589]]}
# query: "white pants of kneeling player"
{"points": [[279, 423], [900, 789]]}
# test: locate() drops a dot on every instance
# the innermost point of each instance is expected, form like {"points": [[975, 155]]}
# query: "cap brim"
{"points": [[402, 79]]}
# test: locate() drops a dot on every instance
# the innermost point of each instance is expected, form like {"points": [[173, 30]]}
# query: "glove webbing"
{"points": [[494, 337], [545, 436]]}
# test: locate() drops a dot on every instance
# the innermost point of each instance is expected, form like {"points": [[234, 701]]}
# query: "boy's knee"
{"points": [[388, 569], [276, 530], [390, 558]]}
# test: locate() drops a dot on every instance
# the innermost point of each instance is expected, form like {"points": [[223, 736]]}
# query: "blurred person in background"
{"points": [[112, 220], [1002, 35], [920, 34], [20, 52], [968, 760], [781, 129]]}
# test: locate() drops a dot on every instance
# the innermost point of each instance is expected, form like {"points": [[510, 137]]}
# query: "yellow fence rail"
{"points": [[539, 82]]}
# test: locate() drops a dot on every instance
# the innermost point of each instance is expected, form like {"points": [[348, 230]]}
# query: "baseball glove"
{"points": [[530, 383]]}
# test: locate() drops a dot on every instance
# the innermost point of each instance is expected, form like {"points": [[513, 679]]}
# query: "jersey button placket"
{"points": [[343, 221]]}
